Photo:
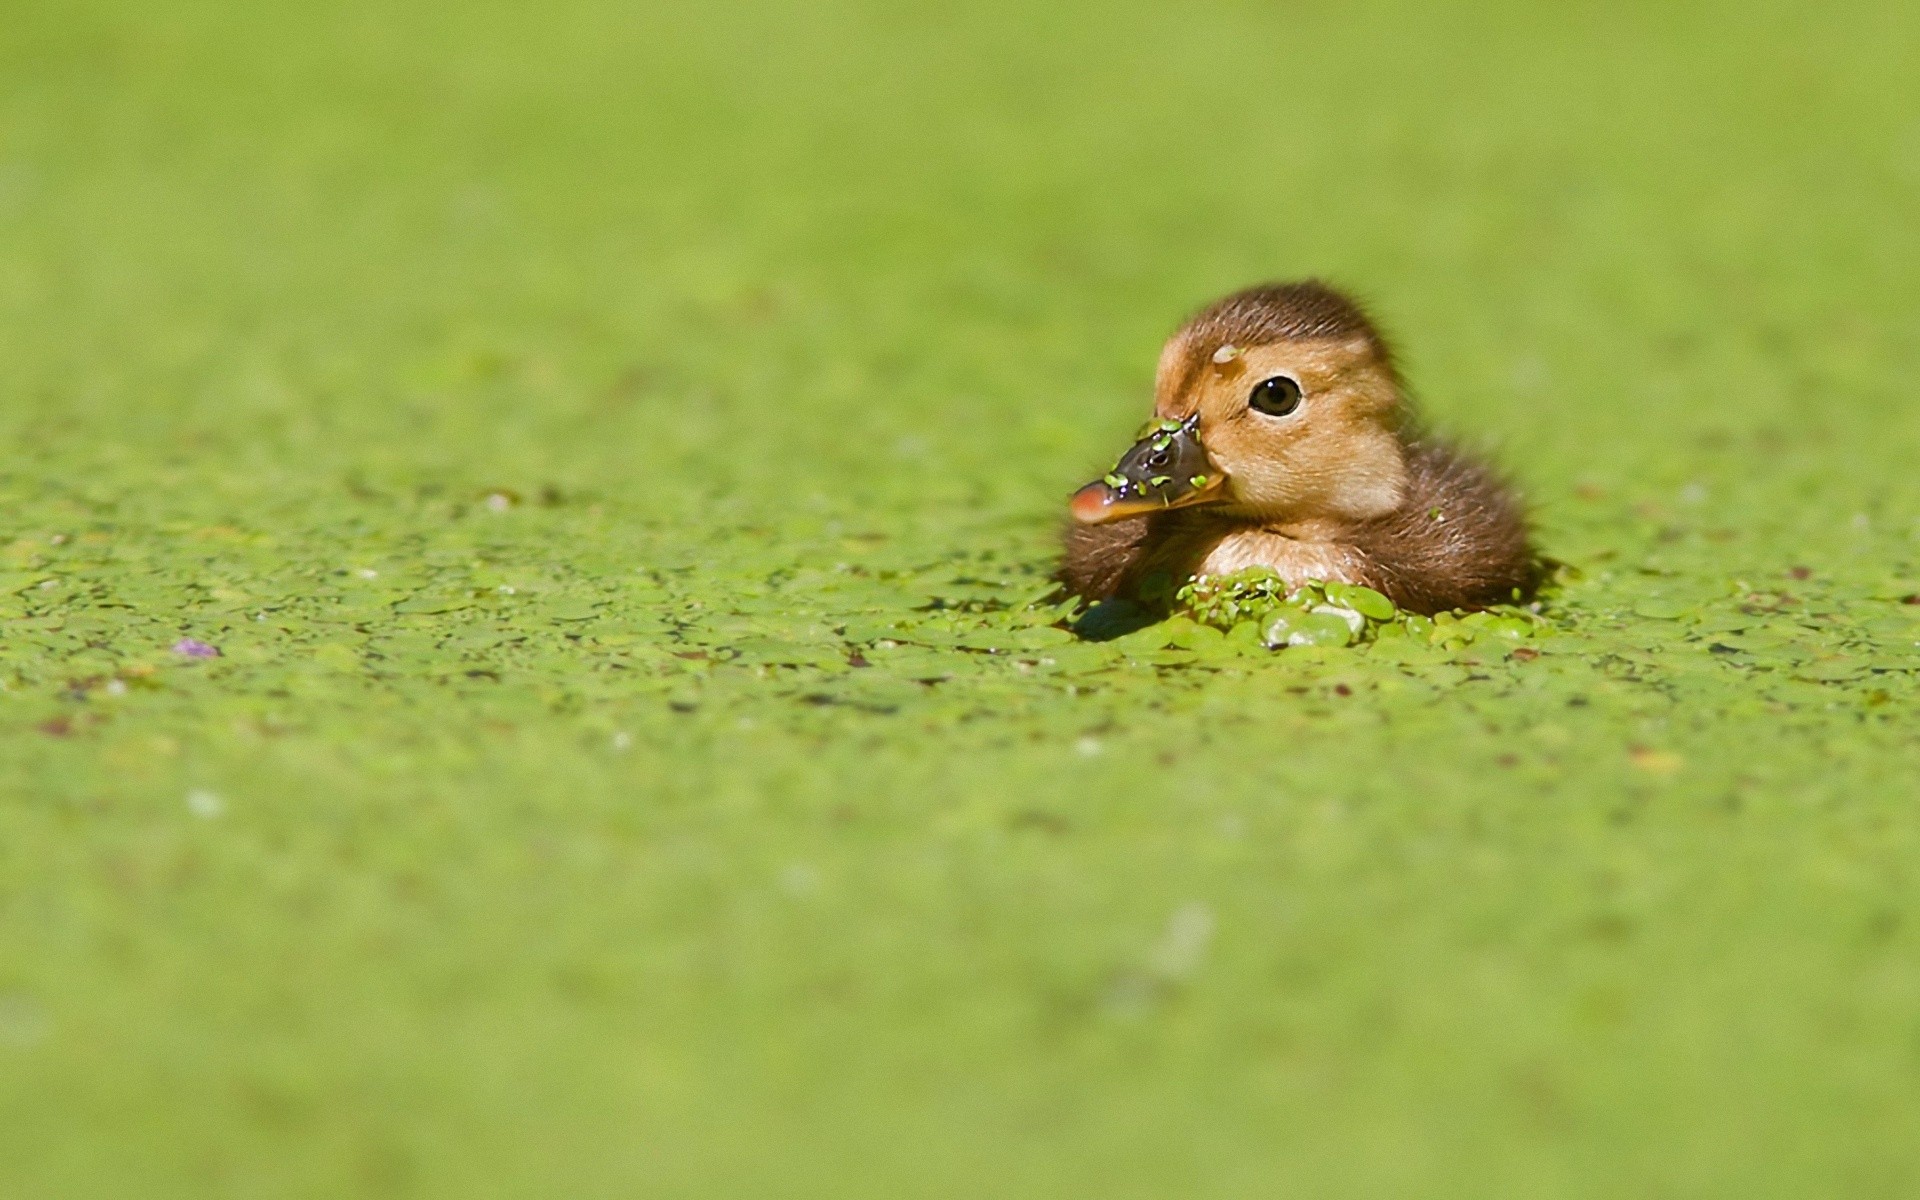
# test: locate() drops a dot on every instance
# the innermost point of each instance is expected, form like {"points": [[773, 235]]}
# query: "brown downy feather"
{"points": [[1459, 541], [1101, 560]]}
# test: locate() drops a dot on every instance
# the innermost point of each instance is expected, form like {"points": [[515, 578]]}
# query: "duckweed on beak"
{"points": [[1166, 468]]}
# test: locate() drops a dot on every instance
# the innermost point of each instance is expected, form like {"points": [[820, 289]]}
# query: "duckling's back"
{"points": [[1459, 541]]}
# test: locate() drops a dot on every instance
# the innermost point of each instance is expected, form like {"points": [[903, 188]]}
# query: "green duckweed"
{"points": [[1336, 614], [528, 663]]}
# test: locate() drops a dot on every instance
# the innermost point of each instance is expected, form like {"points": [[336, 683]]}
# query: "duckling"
{"points": [[1284, 439]]}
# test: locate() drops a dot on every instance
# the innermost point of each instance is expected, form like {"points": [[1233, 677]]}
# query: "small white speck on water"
{"points": [[507, 589], [744, 723], [1529, 373], [47, 585], [204, 804], [1088, 747], [1862, 522], [1694, 493], [499, 502], [116, 687], [58, 539], [799, 879], [23, 1020], [367, 573], [1184, 944], [623, 740]]}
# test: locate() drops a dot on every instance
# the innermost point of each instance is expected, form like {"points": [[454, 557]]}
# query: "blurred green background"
{"points": [[545, 410]]}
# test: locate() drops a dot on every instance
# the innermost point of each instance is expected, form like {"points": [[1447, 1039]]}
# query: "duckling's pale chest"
{"points": [[1295, 560]]}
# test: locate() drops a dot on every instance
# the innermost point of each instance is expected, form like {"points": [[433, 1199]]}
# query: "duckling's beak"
{"points": [[1166, 468]]}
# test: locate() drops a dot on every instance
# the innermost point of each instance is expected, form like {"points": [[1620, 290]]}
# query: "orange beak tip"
{"points": [[1090, 504]]}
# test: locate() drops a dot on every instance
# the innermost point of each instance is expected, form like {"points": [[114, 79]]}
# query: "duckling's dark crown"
{"points": [[1281, 312], [1278, 312]]}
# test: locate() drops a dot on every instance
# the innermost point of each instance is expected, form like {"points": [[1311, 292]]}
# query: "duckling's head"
{"points": [[1279, 404]]}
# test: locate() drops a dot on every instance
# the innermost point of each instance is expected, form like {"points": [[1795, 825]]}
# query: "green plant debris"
{"points": [[1336, 614], [529, 666]]}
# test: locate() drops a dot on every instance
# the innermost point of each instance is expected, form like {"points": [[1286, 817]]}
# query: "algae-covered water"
{"points": [[522, 526]]}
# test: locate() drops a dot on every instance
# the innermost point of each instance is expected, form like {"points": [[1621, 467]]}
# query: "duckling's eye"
{"points": [[1275, 397]]}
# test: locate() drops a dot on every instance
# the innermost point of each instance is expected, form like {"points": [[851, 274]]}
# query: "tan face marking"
{"points": [[1335, 456]]}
